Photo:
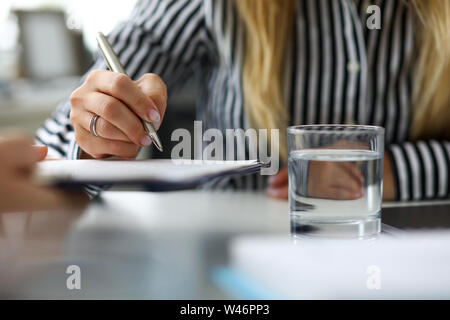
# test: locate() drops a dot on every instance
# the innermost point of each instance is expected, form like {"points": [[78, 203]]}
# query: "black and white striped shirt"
{"points": [[338, 71]]}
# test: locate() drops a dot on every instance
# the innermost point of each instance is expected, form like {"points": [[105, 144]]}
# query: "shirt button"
{"points": [[353, 66]]}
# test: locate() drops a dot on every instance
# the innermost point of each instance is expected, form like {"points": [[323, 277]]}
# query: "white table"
{"points": [[190, 212], [137, 244]]}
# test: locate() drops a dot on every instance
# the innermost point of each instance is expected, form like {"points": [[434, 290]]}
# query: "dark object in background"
{"points": [[418, 217], [180, 113], [49, 49]]}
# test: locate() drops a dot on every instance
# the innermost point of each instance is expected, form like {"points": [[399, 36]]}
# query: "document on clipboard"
{"points": [[154, 174]]}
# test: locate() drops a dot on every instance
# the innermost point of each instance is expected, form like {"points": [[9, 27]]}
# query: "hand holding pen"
{"points": [[111, 113]]}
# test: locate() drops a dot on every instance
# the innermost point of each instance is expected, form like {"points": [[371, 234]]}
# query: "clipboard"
{"points": [[153, 175]]}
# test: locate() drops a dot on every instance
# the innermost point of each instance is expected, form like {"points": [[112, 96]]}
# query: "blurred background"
{"points": [[46, 45]]}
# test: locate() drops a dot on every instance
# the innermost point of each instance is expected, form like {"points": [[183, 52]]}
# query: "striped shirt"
{"points": [[338, 71]]}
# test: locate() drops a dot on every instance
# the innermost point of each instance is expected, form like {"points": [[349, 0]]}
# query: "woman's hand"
{"points": [[332, 180], [120, 104], [17, 191], [278, 185], [326, 179]]}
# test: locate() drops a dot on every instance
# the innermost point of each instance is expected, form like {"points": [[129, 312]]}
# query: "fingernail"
{"points": [[154, 116], [146, 141]]}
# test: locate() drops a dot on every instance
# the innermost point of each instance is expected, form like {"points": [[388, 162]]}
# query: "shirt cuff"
{"points": [[74, 151]]}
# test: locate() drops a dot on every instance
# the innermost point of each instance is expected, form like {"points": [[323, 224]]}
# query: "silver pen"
{"points": [[114, 65]]}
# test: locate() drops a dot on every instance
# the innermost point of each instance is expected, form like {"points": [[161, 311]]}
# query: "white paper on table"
{"points": [[413, 265]]}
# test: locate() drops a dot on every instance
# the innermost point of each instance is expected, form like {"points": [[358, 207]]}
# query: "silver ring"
{"points": [[92, 124]]}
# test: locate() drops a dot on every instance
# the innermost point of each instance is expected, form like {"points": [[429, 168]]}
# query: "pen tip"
{"points": [[157, 143]]}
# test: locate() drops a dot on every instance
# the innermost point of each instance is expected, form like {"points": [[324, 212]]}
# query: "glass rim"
{"points": [[333, 128]]}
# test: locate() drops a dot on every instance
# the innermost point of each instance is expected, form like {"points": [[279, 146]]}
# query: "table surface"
{"points": [[151, 245]]}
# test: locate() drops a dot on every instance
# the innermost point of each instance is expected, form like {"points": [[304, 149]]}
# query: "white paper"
{"points": [[110, 171], [415, 265]]}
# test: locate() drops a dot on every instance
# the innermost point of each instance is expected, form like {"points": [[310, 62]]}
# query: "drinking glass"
{"points": [[335, 179]]}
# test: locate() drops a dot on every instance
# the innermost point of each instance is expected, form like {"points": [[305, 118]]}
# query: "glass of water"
{"points": [[335, 180]]}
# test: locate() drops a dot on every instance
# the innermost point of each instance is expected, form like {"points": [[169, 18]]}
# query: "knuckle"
{"points": [[119, 82], [109, 109], [92, 76], [75, 98], [72, 116], [156, 80], [152, 77]]}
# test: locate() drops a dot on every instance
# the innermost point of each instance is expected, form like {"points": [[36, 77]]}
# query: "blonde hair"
{"points": [[268, 24], [268, 27], [431, 97]]}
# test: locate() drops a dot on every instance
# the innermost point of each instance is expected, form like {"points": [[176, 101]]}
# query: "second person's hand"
{"points": [[120, 104], [18, 190]]}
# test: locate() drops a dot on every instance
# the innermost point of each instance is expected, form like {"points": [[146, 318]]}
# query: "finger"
{"points": [[24, 196], [99, 147], [342, 180], [16, 152], [154, 88], [116, 113], [352, 170], [15, 137], [338, 176], [279, 193], [103, 127], [40, 152], [348, 144], [280, 179], [123, 88], [344, 194]]}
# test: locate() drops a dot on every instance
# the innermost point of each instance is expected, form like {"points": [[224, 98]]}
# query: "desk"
{"points": [[134, 244]]}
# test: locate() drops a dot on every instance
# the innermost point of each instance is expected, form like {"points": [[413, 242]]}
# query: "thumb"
{"points": [[155, 89], [40, 152]]}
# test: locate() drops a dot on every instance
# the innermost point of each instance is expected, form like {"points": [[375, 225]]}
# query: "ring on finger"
{"points": [[92, 125]]}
